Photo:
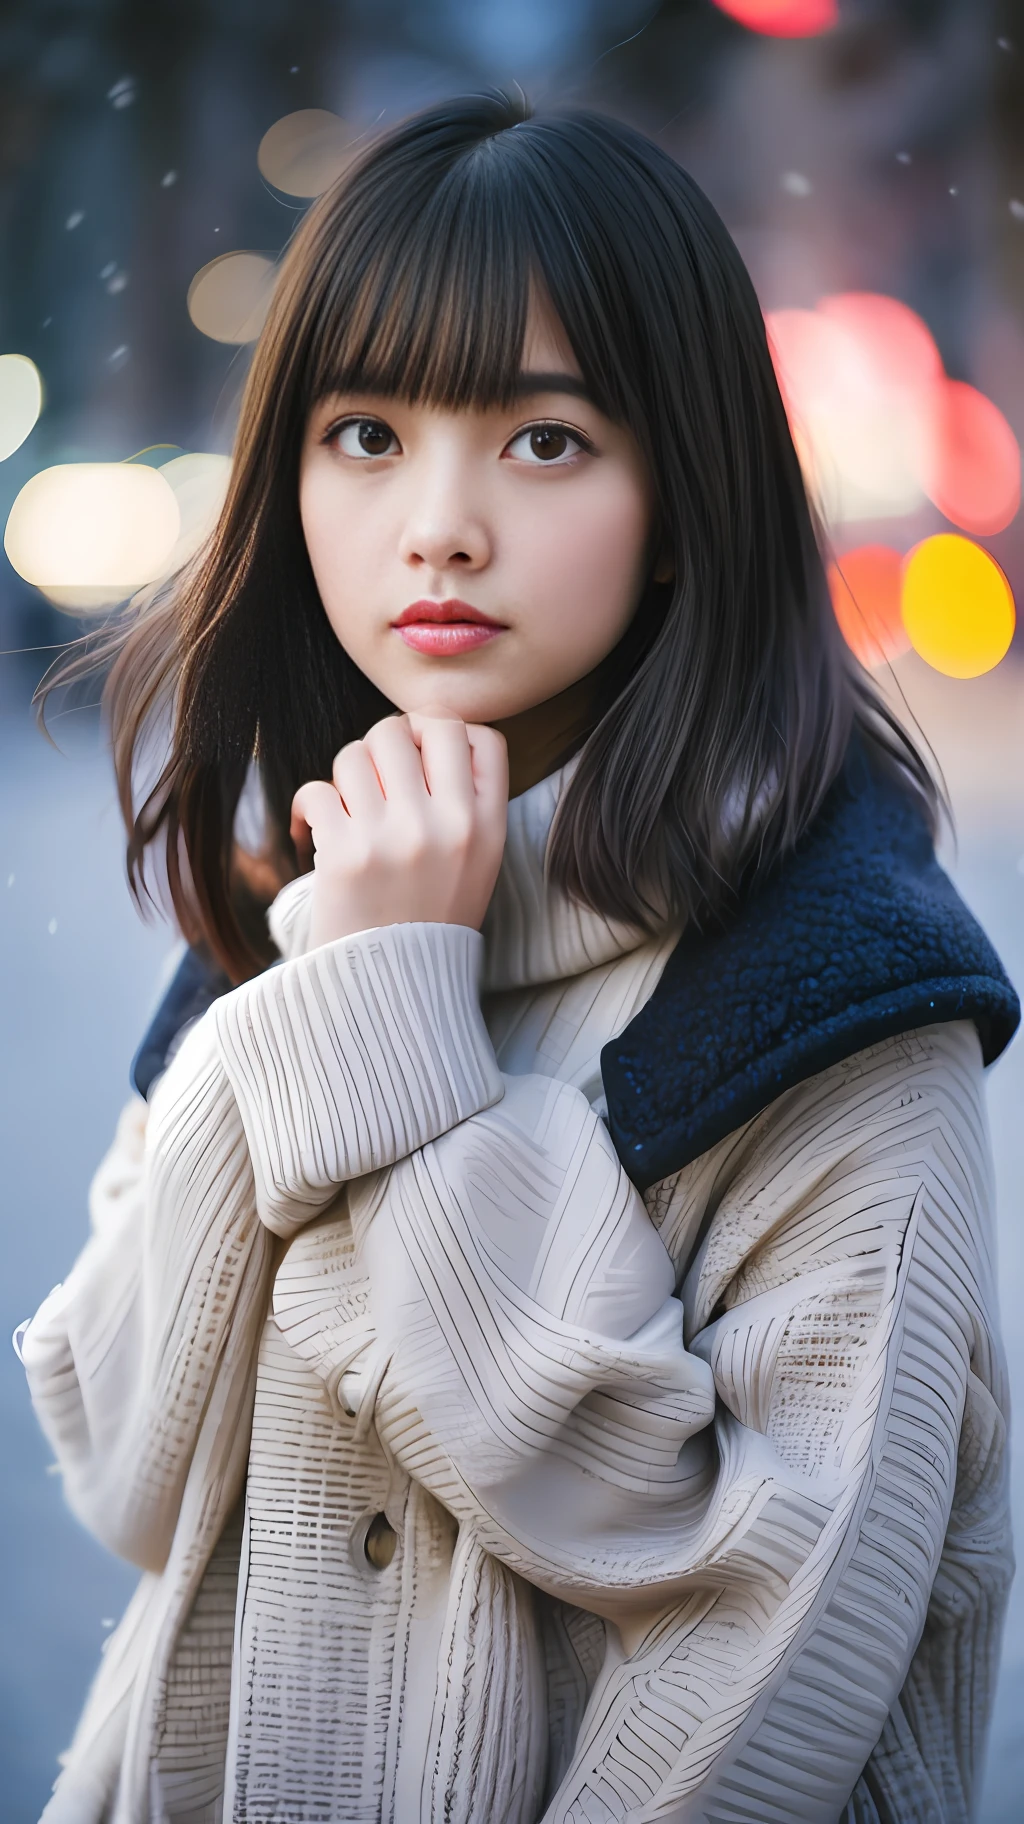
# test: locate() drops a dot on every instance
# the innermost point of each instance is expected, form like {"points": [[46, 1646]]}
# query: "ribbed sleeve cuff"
{"points": [[352, 1056]]}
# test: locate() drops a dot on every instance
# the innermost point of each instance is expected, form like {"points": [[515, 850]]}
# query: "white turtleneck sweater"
{"points": [[695, 1508]]}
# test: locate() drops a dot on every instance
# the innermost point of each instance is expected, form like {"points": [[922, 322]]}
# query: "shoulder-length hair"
{"points": [[725, 715]]}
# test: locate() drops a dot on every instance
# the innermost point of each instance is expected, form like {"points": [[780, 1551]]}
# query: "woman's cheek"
{"points": [[343, 547], [325, 539], [592, 569]]}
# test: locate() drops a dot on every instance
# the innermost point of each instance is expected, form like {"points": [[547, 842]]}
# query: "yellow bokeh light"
{"points": [[89, 533], [303, 153], [229, 297], [957, 606], [21, 401]]}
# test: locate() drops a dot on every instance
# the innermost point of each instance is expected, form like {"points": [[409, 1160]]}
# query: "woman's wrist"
{"points": [[353, 1055]]}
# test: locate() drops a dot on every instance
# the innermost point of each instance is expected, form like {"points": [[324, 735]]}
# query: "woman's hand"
{"points": [[412, 828]]}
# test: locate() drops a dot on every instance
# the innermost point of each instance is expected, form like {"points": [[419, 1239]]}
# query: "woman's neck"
{"points": [[544, 737]]}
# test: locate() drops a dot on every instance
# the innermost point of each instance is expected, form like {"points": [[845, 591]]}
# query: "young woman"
{"points": [[538, 1338]]}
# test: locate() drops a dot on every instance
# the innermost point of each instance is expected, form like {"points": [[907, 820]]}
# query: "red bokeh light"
{"points": [[866, 588], [973, 469], [783, 18]]}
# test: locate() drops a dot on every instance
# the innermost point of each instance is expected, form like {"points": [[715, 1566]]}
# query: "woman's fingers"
{"points": [[489, 752], [396, 757], [357, 780], [318, 817], [411, 829], [449, 747], [446, 758]]}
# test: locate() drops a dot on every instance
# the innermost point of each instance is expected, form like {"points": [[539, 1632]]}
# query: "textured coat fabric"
{"points": [[699, 1503]]}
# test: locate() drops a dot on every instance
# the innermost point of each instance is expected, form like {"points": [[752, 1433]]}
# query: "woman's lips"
{"points": [[442, 629], [440, 639]]}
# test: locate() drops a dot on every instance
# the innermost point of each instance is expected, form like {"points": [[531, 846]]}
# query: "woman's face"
{"points": [[477, 563]]}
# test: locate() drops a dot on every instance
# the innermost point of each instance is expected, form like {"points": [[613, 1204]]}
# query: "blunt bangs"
{"points": [[429, 291]]}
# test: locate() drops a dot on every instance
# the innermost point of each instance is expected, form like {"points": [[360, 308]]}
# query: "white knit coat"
{"points": [[698, 1509]]}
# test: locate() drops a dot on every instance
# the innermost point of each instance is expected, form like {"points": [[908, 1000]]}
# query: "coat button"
{"points": [[380, 1542]]}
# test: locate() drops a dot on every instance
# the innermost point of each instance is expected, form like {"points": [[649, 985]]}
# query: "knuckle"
{"points": [[345, 757], [408, 839], [459, 832], [385, 730]]}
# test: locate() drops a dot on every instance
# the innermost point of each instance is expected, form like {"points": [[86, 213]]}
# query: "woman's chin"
{"points": [[466, 705]]}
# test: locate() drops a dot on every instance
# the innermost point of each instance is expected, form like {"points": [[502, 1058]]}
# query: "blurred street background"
{"points": [[867, 156]]}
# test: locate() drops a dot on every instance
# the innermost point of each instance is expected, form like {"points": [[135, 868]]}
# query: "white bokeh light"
{"points": [[21, 401], [862, 436], [200, 482], [89, 533]]}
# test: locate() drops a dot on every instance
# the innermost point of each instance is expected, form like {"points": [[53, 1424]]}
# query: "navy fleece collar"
{"points": [[857, 936]]}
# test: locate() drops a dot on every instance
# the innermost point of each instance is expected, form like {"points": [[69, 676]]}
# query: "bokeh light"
{"points": [[957, 606], [303, 153], [866, 586], [89, 533], [229, 297], [972, 470], [811, 356], [895, 343], [21, 401], [783, 18], [199, 482], [857, 377], [879, 428]]}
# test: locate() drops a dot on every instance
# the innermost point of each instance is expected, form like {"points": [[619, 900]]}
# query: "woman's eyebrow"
{"points": [[554, 383]]}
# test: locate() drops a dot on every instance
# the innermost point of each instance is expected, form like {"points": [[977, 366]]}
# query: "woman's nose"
{"points": [[443, 533]]}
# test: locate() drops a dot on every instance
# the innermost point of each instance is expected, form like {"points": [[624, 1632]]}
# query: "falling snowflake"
{"points": [[123, 93], [52, 927], [169, 178], [796, 184], [1017, 209], [10, 880], [903, 158], [117, 283], [76, 216], [119, 356]]}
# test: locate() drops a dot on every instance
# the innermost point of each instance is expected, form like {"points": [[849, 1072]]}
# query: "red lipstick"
{"points": [[445, 628]]}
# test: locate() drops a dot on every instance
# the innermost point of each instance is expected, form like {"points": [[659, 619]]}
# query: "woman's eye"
{"points": [[365, 437], [545, 443]]}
